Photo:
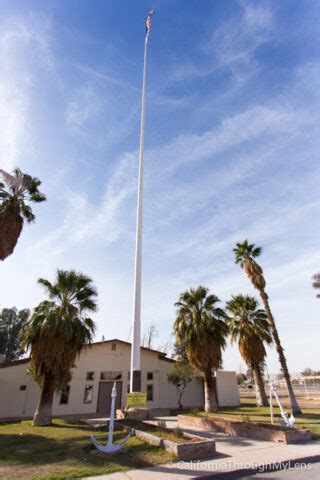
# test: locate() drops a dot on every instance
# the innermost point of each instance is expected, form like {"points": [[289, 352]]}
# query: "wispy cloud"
{"points": [[92, 110], [231, 153], [232, 46], [98, 221], [18, 37]]}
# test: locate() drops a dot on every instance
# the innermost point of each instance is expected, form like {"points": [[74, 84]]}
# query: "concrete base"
{"points": [[257, 431], [198, 448], [134, 414]]}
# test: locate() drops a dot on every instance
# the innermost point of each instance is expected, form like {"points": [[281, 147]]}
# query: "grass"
{"points": [[64, 450], [310, 418]]}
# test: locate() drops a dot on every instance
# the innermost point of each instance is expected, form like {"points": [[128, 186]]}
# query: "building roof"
{"points": [[14, 362], [161, 355]]}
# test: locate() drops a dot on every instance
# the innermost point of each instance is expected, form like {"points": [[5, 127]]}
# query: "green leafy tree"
{"points": [[180, 376], [201, 324], [245, 255], [179, 351], [16, 192], [11, 323], [316, 282], [308, 372], [57, 331], [250, 329], [241, 378]]}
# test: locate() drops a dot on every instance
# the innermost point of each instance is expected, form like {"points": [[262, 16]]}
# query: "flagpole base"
{"points": [[135, 414]]}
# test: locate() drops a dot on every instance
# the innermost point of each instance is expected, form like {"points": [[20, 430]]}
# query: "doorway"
{"points": [[104, 397]]}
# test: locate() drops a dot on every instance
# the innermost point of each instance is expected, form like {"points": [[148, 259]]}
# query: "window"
{"points": [[23, 387], [128, 388], [149, 375], [88, 393], [110, 376], [64, 397], [113, 347], [90, 376], [129, 374], [149, 393]]}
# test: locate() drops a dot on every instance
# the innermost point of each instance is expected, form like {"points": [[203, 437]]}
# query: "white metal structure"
{"points": [[110, 447], [135, 377]]}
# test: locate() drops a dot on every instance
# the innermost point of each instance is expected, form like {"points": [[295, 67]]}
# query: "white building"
{"points": [[98, 366]]}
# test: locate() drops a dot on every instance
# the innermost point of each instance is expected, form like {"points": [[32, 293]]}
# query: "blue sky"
{"points": [[232, 151]]}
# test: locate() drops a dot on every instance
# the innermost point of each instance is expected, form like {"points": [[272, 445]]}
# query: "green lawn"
{"points": [[309, 419], [64, 450]]}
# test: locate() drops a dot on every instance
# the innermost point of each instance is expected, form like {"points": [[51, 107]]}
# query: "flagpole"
{"points": [[135, 371]]}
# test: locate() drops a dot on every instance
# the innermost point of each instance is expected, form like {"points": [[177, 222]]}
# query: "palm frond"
{"points": [[59, 329], [248, 326], [200, 325]]}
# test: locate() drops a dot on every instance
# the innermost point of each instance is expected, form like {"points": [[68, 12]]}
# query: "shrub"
{"points": [[178, 432], [161, 425], [246, 418]]}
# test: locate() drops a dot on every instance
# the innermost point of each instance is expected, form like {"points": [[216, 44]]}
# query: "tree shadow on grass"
{"points": [[34, 450], [309, 416], [77, 425]]}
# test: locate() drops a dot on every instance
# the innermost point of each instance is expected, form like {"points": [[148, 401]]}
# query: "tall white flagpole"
{"points": [[135, 371]]}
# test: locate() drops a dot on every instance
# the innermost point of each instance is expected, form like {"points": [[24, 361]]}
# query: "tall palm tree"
{"points": [[316, 282], [245, 254], [249, 327], [15, 194], [57, 331], [200, 325]]}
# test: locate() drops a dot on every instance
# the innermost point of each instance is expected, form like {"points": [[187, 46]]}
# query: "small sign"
{"points": [[136, 400]]}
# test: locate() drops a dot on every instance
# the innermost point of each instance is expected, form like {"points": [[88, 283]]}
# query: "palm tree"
{"points": [[316, 282], [57, 331], [200, 325], [249, 326], [245, 254], [15, 193]]}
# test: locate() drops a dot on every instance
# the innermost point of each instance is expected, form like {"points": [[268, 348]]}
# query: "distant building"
{"points": [[97, 367]]}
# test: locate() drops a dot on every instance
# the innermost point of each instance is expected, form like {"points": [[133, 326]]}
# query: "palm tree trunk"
{"points": [[262, 399], [10, 229], [210, 400], [43, 414], [282, 359]]}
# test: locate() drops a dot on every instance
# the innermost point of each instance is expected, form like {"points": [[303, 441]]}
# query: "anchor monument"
{"points": [[110, 447]]}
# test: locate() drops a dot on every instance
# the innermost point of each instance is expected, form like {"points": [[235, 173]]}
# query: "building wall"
{"points": [[13, 401], [97, 358], [227, 389], [108, 357]]}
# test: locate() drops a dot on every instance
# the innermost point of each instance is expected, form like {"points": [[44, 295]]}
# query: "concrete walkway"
{"points": [[236, 456]]}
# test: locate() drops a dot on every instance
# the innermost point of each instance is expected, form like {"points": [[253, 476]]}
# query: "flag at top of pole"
{"points": [[148, 23]]}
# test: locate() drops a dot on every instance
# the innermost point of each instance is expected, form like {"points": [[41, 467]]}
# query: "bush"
{"points": [[162, 425], [195, 412], [246, 418], [178, 432]]}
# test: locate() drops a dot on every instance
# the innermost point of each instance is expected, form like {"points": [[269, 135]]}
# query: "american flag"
{"points": [[148, 23]]}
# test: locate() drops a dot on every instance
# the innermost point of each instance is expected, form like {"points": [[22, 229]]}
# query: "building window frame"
{"points": [[110, 376], [64, 396], [90, 376], [88, 389], [150, 392], [149, 376]]}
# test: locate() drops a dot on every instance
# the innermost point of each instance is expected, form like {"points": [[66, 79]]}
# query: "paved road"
{"points": [[311, 472]]}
